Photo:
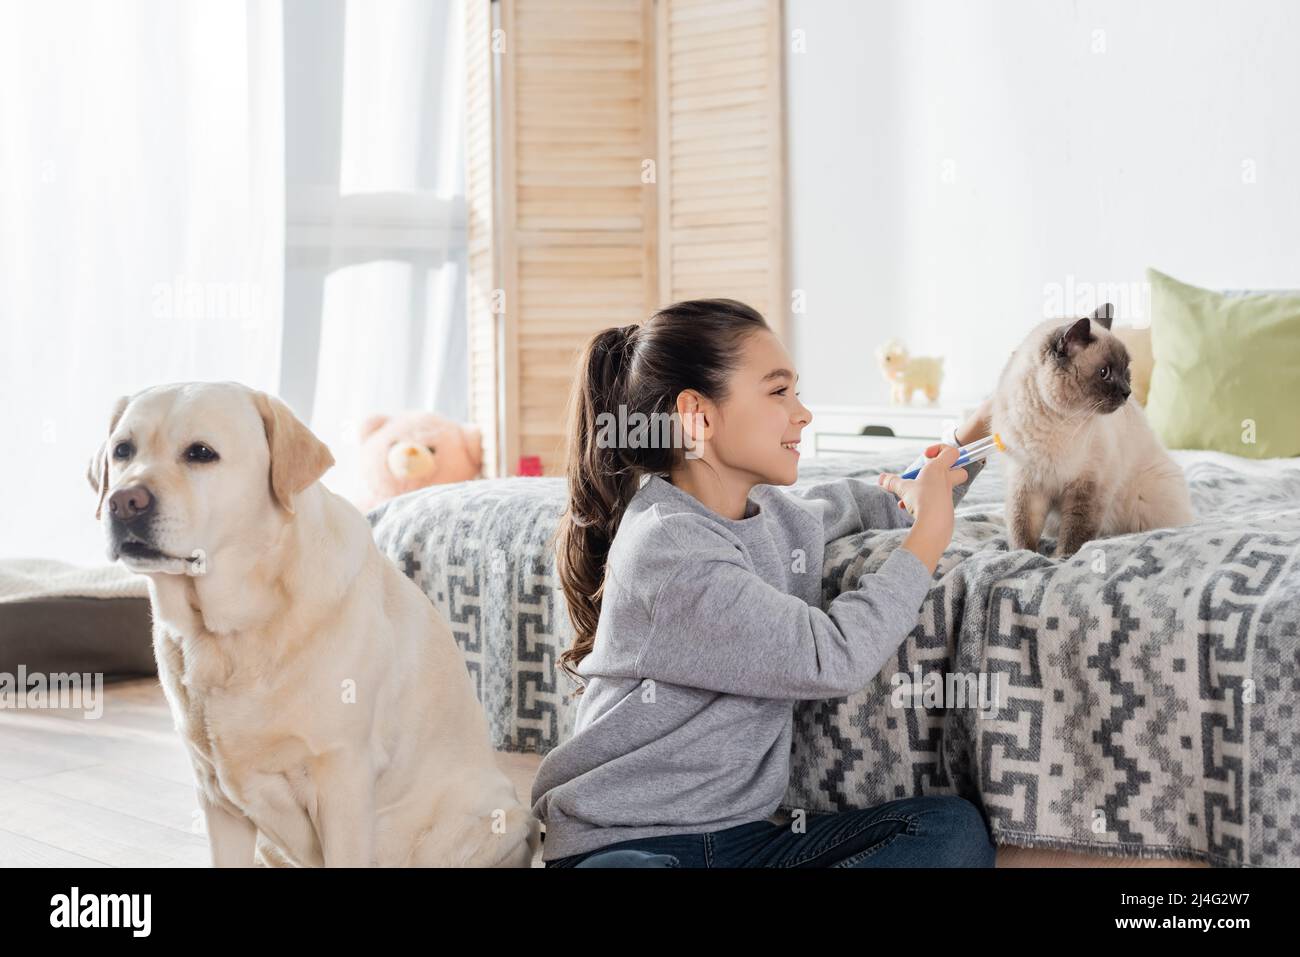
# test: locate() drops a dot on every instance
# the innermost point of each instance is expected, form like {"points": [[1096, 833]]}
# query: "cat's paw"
{"points": [[1064, 551], [1019, 543]]}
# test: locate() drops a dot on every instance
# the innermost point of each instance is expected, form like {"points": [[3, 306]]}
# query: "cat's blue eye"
{"points": [[1105, 372]]}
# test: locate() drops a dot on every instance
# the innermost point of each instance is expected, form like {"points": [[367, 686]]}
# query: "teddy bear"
{"points": [[906, 374], [407, 451]]}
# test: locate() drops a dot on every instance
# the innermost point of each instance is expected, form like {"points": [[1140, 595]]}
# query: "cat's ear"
{"points": [[1074, 338], [1104, 314]]}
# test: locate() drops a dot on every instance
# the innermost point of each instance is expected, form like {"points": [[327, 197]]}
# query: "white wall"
{"points": [[952, 162]]}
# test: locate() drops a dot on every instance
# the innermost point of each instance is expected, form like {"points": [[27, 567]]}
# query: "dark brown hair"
{"points": [[690, 345]]}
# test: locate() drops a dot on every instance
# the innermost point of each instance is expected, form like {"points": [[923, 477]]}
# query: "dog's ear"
{"points": [[298, 458], [97, 471]]}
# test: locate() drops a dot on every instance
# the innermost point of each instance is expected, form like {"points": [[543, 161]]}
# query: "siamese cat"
{"points": [[1079, 449]]}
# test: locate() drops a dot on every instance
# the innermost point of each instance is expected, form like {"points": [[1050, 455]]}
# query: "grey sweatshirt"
{"points": [[710, 629]]}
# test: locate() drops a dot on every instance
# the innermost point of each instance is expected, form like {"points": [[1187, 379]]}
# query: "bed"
{"points": [[1143, 692]]}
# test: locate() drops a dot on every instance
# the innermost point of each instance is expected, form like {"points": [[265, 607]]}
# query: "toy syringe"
{"points": [[974, 452]]}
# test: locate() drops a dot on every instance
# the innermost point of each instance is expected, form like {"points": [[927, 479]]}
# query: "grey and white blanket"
{"points": [[1139, 698]]}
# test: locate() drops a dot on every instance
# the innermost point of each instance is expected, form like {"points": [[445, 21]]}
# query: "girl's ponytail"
{"points": [[691, 345], [600, 485]]}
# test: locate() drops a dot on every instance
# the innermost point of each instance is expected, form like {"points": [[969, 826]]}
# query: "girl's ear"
{"points": [[695, 413], [691, 405]]}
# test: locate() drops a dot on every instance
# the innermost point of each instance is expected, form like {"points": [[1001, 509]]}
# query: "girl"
{"points": [[695, 590]]}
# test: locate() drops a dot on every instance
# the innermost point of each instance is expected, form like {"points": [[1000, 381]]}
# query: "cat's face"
{"points": [[1083, 366]]}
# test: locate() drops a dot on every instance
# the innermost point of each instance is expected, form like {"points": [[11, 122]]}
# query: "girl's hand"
{"points": [[931, 491], [978, 425], [928, 498]]}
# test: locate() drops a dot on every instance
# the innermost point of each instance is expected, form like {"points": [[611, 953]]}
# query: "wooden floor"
{"points": [[117, 791]]}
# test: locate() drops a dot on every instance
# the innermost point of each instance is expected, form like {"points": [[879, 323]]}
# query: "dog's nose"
{"points": [[128, 504]]}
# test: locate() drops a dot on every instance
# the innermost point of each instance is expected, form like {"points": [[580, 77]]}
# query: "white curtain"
{"points": [[385, 287], [141, 230]]}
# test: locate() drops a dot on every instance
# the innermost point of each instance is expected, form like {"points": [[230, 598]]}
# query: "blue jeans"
{"points": [[930, 831]]}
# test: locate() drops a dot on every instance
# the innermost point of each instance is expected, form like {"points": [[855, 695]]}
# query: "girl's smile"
{"points": [[751, 435]]}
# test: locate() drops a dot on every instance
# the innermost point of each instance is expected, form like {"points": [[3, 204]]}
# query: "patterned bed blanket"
{"points": [[1138, 699]]}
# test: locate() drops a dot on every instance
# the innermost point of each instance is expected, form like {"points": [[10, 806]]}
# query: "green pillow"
{"points": [[1226, 370]]}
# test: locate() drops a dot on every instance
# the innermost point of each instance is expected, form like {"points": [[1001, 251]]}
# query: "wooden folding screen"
{"points": [[622, 154], [721, 186]]}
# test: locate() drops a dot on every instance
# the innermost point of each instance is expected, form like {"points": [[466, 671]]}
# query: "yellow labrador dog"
{"points": [[323, 702]]}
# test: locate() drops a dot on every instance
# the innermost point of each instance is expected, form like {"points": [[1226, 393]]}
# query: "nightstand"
{"points": [[846, 429]]}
